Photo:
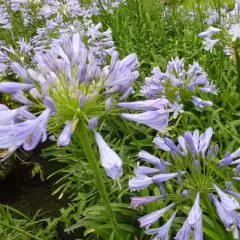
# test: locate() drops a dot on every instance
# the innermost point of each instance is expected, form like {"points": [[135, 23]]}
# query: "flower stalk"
{"points": [[238, 69], [83, 136]]}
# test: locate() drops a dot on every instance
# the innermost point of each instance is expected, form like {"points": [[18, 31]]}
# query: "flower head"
{"points": [[223, 28], [69, 82], [177, 85], [192, 172]]}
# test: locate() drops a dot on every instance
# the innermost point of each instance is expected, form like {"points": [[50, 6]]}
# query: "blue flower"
{"points": [[138, 201], [177, 85], [235, 31], [27, 134], [65, 136], [193, 170], [147, 105], [70, 83], [157, 120], [162, 232], [148, 220], [209, 44], [111, 162], [12, 87]]}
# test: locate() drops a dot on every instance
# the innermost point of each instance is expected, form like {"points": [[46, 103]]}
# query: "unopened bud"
{"points": [[82, 101], [93, 123]]}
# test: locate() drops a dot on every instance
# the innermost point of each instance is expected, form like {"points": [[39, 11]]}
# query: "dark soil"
{"points": [[29, 194]]}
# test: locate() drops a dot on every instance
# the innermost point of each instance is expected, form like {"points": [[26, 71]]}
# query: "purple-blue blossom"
{"points": [[174, 81], [157, 120], [68, 81], [111, 162], [194, 166], [27, 134]]}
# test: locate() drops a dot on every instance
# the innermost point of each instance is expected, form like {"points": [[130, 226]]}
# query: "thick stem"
{"points": [[87, 147], [238, 69]]}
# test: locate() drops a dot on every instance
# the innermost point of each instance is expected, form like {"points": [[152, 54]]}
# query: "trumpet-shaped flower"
{"points": [[147, 105], [148, 220], [162, 232], [228, 202], [209, 44], [12, 87], [111, 162], [235, 31], [139, 182], [157, 120]]}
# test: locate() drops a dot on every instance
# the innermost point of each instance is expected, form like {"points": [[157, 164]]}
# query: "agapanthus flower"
{"points": [[4, 18], [111, 162], [27, 134], [196, 174], [99, 42], [223, 31], [155, 115], [213, 16], [235, 31], [55, 18], [70, 84], [209, 44], [176, 108], [21, 53], [177, 86]]}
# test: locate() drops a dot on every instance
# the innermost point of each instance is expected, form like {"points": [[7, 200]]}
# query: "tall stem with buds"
{"points": [[83, 136]]}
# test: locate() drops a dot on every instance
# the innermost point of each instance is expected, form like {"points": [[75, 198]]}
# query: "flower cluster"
{"points": [[170, 90], [197, 175], [22, 52], [70, 86], [56, 24], [223, 29], [4, 18], [99, 42], [167, 91]]}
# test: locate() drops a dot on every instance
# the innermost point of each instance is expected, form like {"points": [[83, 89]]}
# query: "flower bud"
{"points": [[82, 101], [35, 94], [81, 73], [83, 55], [93, 123], [50, 104], [19, 97], [20, 71], [11, 87], [65, 137]]}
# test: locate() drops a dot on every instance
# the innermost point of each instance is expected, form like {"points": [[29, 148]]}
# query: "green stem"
{"points": [[87, 147], [238, 69], [200, 14], [139, 30]]}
